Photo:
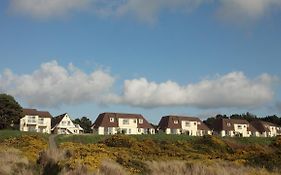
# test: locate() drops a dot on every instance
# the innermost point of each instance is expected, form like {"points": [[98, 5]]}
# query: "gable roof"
{"points": [[56, 120], [168, 122], [104, 120], [227, 124], [261, 126], [44, 114]]}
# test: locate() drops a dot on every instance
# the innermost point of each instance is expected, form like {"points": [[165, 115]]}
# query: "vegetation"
{"points": [[133, 152], [246, 116], [27, 153], [10, 112], [85, 123]]}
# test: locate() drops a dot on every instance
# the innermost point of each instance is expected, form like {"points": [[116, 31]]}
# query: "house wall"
{"points": [[189, 127], [115, 130], [66, 126], [101, 130], [168, 131], [128, 127], [273, 131], [36, 123], [242, 129], [223, 133]]}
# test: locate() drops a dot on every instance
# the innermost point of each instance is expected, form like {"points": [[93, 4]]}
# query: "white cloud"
{"points": [[144, 10], [231, 90], [53, 85], [246, 10], [47, 8]]}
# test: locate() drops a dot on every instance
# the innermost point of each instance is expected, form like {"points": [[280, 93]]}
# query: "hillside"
{"points": [[28, 153]]}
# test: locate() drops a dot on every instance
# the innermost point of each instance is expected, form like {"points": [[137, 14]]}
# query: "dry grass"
{"points": [[218, 168], [12, 162], [110, 168]]}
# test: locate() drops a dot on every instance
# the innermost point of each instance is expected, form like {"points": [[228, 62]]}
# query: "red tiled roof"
{"points": [[35, 112], [104, 120]]}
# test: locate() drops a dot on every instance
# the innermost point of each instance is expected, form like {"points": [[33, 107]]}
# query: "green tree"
{"points": [[10, 112], [85, 123]]}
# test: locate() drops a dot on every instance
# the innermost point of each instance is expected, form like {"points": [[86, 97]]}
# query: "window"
{"points": [[125, 121], [111, 119], [187, 124], [139, 130], [31, 119], [199, 123], [176, 121], [32, 129], [194, 123], [41, 121], [68, 123], [239, 127], [135, 121], [228, 124], [63, 123], [130, 131], [140, 121]]}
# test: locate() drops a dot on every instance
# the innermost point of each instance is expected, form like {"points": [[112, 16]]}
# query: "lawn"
{"points": [[92, 138], [6, 134]]}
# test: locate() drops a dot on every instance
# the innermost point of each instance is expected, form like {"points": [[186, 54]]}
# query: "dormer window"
{"points": [[199, 123], [176, 121], [228, 124], [140, 121], [111, 119]]}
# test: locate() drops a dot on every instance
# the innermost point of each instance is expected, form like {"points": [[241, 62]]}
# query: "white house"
{"points": [[36, 121], [233, 127], [183, 125], [63, 124], [113, 123], [266, 129]]}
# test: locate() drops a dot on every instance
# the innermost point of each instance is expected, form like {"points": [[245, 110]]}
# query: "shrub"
{"points": [[119, 141]]}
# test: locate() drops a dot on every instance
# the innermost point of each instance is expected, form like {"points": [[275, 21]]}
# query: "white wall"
{"points": [[189, 126], [66, 124], [242, 129], [44, 127]]}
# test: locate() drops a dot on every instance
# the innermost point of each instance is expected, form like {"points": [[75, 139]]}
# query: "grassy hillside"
{"points": [[134, 152], [6, 134], [28, 154]]}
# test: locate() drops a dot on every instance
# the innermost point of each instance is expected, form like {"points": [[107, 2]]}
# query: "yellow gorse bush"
{"points": [[29, 145]]}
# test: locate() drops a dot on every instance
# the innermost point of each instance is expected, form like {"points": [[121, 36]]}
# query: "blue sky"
{"points": [[150, 57]]}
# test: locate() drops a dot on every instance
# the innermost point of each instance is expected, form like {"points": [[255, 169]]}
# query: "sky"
{"points": [[153, 57]]}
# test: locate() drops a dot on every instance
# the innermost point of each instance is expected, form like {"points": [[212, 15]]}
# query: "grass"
{"points": [[92, 139], [85, 139], [6, 134], [251, 140]]}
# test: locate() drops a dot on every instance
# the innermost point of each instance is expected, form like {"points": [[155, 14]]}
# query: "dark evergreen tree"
{"points": [[85, 123], [10, 112]]}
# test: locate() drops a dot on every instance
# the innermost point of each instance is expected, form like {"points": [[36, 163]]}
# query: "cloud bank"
{"points": [[53, 85], [230, 90], [144, 10], [48, 8]]}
